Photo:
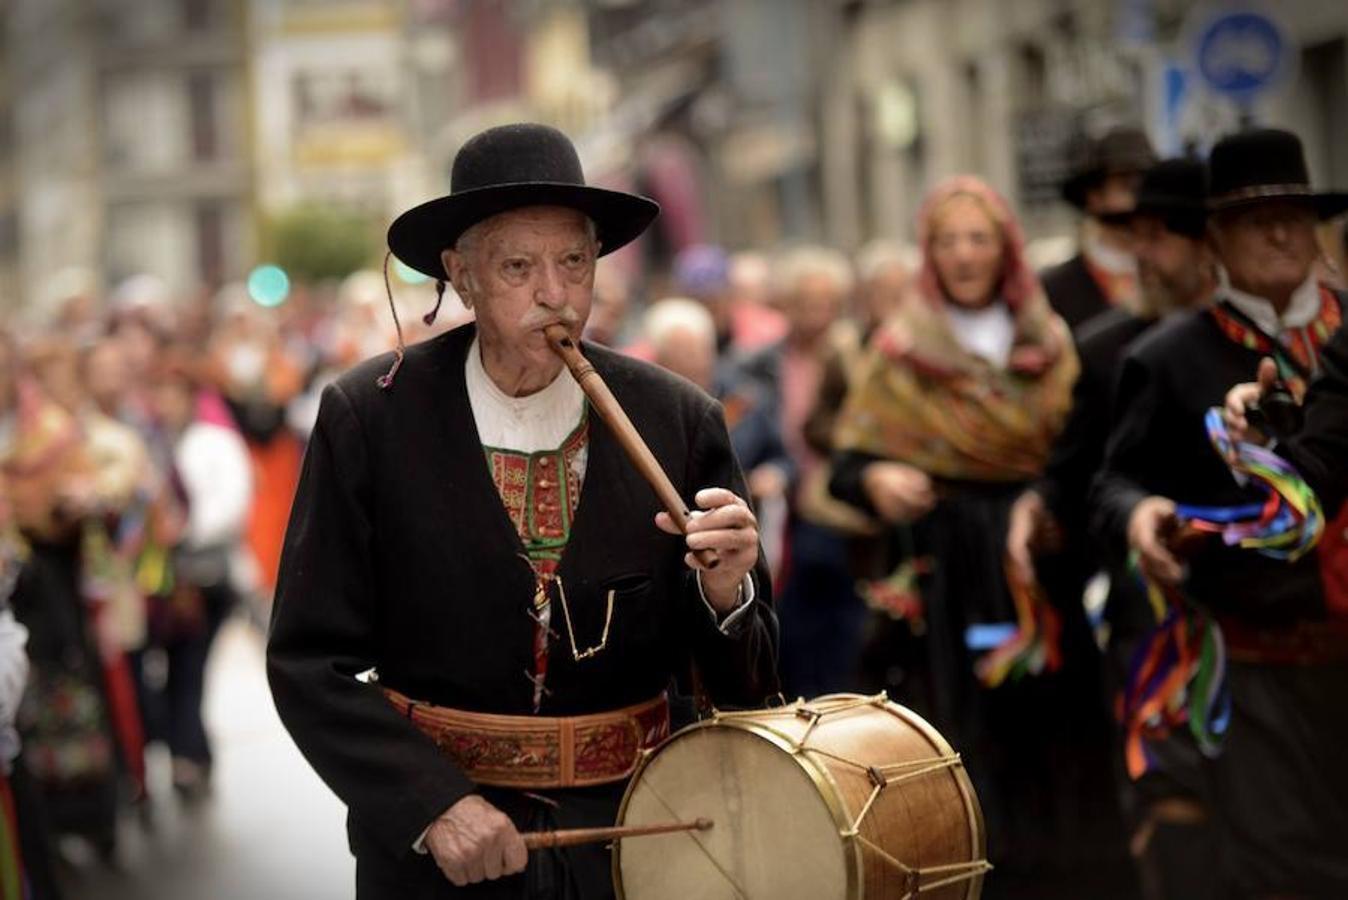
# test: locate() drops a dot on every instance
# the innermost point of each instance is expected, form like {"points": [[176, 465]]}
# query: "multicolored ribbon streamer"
{"points": [[1178, 673], [1034, 647]]}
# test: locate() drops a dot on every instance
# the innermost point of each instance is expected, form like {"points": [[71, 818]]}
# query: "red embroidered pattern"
{"points": [[1300, 344], [540, 492], [597, 753]]}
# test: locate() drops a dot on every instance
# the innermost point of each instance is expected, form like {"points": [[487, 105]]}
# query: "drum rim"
{"points": [[821, 777]]}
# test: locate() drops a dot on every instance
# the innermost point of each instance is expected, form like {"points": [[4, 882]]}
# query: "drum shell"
{"points": [[926, 815]]}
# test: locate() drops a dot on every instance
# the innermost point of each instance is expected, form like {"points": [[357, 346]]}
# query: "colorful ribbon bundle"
{"points": [[1178, 674], [1033, 647], [1287, 525]]}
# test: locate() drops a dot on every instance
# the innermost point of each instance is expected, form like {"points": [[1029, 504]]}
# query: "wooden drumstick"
{"points": [[559, 339], [570, 837]]}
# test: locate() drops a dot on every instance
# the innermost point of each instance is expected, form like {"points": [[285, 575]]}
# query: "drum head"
{"points": [[774, 835]]}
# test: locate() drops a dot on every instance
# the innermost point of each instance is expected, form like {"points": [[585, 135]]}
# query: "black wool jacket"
{"points": [[399, 557]]}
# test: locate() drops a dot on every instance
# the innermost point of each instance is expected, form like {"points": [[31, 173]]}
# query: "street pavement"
{"points": [[271, 830]]}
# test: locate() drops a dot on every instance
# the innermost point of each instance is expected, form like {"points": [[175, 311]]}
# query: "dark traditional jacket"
{"points": [[1072, 292], [1080, 448], [400, 558], [1159, 446], [1320, 451]]}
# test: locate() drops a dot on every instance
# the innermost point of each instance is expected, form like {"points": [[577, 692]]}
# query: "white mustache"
{"points": [[541, 319]]}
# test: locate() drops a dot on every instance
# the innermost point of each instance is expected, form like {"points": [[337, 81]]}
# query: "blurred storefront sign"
{"points": [[1044, 140], [1240, 53]]}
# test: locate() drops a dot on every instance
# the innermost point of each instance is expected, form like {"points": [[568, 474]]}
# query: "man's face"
{"points": [[1172, 267], [1267, 248], [689, 353], [1117, 192], [106, 373], [882, 293], [526, 269], [813, 305]]}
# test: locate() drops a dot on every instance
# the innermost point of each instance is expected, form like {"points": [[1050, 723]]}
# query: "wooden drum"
{"points": [[840, 798]]}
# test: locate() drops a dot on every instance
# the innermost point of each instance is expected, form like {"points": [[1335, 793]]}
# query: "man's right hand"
{"points": [[1151, 527], [899, 492], [474, 841], [1032, 529]]}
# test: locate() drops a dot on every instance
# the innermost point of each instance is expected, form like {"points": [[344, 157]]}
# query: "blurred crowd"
{"points": [[890, 410]]}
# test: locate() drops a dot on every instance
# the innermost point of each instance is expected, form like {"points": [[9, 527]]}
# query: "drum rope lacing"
{"points": [[881, 777]]}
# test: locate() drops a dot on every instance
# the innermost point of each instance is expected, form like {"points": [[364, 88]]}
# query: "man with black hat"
{"points": [[1278, 788], [479, 610], [1103, 273], [1176, 271]]}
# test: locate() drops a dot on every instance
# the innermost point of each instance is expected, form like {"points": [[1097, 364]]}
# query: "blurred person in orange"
{"points": [[258, 376]]}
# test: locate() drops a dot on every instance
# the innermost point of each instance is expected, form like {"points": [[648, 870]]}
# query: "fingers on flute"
{"points": [[714, 497]]}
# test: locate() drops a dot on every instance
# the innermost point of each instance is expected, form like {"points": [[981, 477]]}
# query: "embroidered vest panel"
{"points": [[540, 492]]}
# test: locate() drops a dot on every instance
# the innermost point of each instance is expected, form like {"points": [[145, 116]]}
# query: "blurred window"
{"points": [[201, 95]]}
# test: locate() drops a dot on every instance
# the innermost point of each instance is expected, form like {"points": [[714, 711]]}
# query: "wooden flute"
{"points": [[559, 339]]}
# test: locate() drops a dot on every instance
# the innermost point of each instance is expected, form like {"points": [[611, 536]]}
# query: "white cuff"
{"points": [[746, 602], [419, 845]]}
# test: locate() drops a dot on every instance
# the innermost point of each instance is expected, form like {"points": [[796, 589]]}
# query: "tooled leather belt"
{"points": [[541, 752]]}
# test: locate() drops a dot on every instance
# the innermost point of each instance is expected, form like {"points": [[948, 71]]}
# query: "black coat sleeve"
{"points": [[1076, 453], [393, 779], [1132, 450], [1320, 451], [845, 479], [738, 668]]}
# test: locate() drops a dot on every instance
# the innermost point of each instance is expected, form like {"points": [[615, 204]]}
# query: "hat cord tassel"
{"points": [[385, 381]]}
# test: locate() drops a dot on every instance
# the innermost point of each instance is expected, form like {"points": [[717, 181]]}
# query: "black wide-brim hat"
{"points": [[1173, 190], [1120, 151], [1266, 164], [510, 167]]}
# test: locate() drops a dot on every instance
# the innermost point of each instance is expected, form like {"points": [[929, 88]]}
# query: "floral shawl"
{"points": [[922, 399]]}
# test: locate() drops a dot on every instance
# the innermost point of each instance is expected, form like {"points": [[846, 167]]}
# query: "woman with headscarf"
{"points": [[952, 411]]}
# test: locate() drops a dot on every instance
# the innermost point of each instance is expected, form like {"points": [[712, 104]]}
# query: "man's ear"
{"points": [[455, 269]]}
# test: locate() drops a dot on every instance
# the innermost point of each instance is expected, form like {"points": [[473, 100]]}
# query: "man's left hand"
{"points": [[725, 524], [1242, 396]]}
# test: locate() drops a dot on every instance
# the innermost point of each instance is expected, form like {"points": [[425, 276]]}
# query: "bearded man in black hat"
{"points": [[1177, 271], [1103, 273], [479, 610], [1278, 788]]}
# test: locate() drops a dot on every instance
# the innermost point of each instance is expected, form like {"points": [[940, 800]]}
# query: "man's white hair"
{"points": [[673, 314], [468, 241], [881, 255], [802, 262]]}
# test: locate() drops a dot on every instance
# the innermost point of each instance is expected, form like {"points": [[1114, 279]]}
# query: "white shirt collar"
{"points": [[541, 421], [1301, 311], [987, 332]]}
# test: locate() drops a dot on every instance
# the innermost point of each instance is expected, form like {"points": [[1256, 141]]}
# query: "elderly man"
{"points": [[479, 611], [1279, 794]]}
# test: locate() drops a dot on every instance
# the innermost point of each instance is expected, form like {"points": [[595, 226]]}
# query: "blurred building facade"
{"points": [[162, 135], [129, 142]]}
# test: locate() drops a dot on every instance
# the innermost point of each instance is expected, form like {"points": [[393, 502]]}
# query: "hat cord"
{"points": [[385, 381]]}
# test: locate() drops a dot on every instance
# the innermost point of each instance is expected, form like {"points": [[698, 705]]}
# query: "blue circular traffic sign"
{"points": [[1241, 54]]}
